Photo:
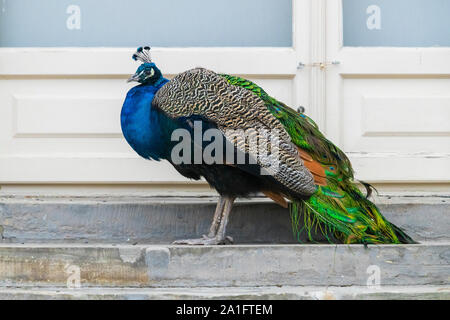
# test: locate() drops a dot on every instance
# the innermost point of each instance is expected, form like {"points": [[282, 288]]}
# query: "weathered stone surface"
{"points": [[48, 265], [94, 236], [156, 220], [225, 266]]}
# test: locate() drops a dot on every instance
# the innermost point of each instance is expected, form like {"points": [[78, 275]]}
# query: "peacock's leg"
{"points": [[217, 216], [217, 230], [224, 220]]}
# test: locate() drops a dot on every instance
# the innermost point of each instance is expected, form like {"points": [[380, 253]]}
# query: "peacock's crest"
{"points": [[142, 54]]}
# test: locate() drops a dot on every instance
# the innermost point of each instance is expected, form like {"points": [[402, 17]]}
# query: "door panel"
{"points": [[67, 129], [60, 115], [396, 115], [389, 108]]}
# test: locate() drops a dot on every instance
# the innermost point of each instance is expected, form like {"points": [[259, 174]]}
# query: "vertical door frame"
{"points": [[310, 45]]}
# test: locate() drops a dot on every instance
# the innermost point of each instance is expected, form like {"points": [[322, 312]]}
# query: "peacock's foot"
{"points": [[205, 241]]}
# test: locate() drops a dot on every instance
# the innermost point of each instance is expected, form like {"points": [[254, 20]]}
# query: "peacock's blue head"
{"points": [[148, 72]]}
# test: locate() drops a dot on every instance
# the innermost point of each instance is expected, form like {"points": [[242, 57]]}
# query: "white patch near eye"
{"points": [[152, 72]]}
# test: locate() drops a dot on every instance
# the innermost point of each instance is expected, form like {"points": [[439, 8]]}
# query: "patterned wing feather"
{"points": [[200, 92]]}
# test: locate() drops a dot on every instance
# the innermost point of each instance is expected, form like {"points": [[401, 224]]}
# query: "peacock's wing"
{"points": [[337, 208], [303, 131], [203, 93]]}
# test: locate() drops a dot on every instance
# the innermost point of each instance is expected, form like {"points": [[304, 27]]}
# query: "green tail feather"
{"points": [[351, 219]]}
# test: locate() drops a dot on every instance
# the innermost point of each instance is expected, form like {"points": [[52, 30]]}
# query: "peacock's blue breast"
{"points": [[146, 130]]}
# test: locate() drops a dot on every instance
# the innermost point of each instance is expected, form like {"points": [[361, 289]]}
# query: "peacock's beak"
{"points": [[134, 77]]}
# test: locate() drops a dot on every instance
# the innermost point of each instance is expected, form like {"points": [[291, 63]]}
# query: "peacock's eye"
{"points": [[150, 72]]}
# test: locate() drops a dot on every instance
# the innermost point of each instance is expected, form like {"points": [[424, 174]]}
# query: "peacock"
{"points": [[302, 170]]}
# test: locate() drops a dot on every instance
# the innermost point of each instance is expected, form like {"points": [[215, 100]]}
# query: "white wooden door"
{"points": [[60, 107], [389, 107]]}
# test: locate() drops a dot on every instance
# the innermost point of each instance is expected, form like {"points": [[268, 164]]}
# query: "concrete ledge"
{"points": [[230, 293], [163, 220], [224, 266]]}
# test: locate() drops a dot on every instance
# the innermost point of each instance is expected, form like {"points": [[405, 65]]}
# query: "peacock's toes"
{"points": [[205, 241]]}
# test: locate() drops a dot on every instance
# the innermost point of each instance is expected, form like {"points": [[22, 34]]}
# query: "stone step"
{"points": [[231, 293], [101, 265], [163, 220]]}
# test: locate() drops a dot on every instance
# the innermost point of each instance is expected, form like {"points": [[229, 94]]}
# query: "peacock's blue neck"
{"points": [[147, 130]]}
